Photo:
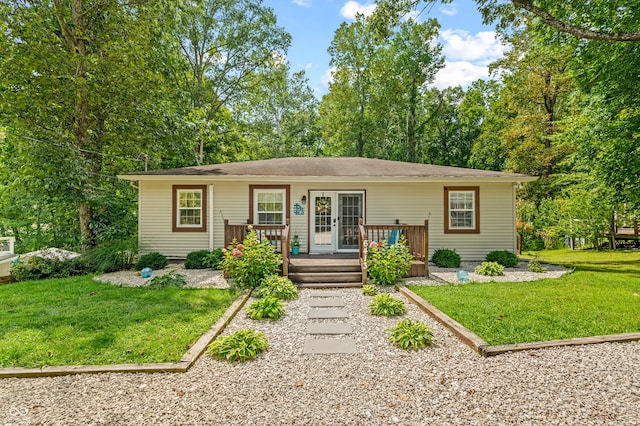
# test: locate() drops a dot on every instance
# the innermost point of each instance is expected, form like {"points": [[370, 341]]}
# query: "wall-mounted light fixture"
{"points": [[304, 199]]}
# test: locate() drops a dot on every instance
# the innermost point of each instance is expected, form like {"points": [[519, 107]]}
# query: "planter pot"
{"points": [[295, 250]]}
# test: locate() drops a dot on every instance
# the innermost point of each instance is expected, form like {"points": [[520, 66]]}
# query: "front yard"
{"points": [[601, 297], [78, 321]]}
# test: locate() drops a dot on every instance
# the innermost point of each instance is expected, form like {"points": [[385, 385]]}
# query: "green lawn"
{"points": [[601, 297], [75, 321]]}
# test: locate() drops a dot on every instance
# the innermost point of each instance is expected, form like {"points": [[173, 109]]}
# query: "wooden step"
{"points": [[324, 265], [325, 277], [329, 285]]}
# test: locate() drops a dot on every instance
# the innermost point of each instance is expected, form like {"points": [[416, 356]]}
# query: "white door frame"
{"points": [[328, 242]]}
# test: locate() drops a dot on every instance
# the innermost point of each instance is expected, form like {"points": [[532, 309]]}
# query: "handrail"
{"points": [[362, 253], [277, 234], [417, 238]]}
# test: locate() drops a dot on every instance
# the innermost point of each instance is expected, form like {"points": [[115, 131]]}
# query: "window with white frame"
{"points": [[462, 210], [269, 206], [189, 202]]}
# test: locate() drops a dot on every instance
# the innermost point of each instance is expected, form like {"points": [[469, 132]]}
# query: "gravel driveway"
{"points": [[380, 385]]}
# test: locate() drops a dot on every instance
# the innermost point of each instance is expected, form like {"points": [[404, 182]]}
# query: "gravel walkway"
{"points": [[380, 385]]}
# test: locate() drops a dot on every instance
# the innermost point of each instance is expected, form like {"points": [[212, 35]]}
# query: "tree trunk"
{"points": [[411, 125]]}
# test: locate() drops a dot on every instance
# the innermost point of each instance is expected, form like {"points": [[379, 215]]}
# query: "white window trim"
{"points": [[178, 208], [256, 213], [473, 211]]}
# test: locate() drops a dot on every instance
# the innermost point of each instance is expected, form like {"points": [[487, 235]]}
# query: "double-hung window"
{"points": [[462, 210], [189, 208], [269, 204]]}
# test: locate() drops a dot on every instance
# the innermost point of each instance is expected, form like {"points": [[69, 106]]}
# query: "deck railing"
{"points": [[277, 234], [417, 237]]}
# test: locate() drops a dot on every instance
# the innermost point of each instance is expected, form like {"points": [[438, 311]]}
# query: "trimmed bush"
{"points": [[384, 304], [241, 346], [491, 269], [503, 257], [276, 286], [152, 260], [40, 268], [267, 308], [411, 335], [215, 258], [198, 259], [446, 258]]}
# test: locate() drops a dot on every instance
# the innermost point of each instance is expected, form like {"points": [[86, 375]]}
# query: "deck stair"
{"points": [[325, 271]]}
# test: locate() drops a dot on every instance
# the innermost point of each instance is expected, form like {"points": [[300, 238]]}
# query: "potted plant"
{"points": [[295, 245]]}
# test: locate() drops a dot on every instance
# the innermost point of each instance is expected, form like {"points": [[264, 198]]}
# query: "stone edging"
{"points": [[486, 350], [185, 363]]}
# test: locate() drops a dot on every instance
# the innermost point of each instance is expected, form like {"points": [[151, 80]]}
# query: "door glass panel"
{"points": [[350, 206], [322, 231]]}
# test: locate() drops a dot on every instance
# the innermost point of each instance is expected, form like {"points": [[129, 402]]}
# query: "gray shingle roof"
{"points": [[330, 166]]}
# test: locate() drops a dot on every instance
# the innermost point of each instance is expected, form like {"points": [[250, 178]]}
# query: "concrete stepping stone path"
{"points": [[324, 306]]}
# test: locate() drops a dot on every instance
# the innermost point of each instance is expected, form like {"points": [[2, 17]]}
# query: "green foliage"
{"points": [[534, 266], [215, 258], [172, 279], [276, 286], [243, 345], [39, 268], [446, 258], [503, 257], [384, 304], [386, 264], [490, 269], [266, 308], [197, 260], [249, 262], [411, 335], [79, 321], [369, 290], [113, 256], [153, 260]]}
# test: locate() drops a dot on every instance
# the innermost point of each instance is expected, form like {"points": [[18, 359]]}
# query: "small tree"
{"points": [[249, 262]]}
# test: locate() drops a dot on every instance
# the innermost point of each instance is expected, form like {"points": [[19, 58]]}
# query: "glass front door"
{"points": [[334, 220]]}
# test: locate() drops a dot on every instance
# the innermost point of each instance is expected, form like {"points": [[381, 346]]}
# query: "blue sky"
{"points": [[468, 45]]}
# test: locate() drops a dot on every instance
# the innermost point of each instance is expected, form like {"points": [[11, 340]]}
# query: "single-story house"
{"points": [[323, 200]]}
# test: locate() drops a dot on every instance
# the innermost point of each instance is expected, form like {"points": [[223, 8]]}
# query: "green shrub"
{"points": [[384, 304], [410, 335], [198, 259], [249, 262], [152, 260], [386, 263], [215, 258], [446, 258], [113, 256], [172, 279], [503, 257], [369, 290], [267, 308], [534, 266], [276, 286], [39, 268], [491, 269], [242, 345]]}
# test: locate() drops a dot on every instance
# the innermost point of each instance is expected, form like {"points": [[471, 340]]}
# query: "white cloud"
{"points": [[459, 73], [449, 10], [303, 3], [352, 8], [462, 46], [327, 77]]}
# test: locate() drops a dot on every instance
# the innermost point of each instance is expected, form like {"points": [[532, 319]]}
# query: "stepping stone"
{"points": [[326, 302], [329, 328], [325, 293], [327, 313], [329, 346]]}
